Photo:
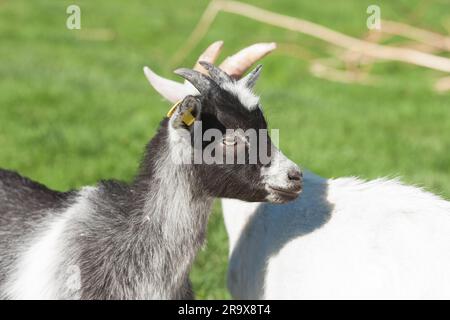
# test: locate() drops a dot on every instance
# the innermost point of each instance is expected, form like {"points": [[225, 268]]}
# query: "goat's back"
{"points": [[346, 238], [24, 206]]}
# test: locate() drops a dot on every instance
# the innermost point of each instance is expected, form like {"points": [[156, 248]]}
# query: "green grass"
{"points": [[75, 109]]}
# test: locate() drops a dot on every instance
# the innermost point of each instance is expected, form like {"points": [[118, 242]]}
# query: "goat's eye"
{"points": [[229, 141]]}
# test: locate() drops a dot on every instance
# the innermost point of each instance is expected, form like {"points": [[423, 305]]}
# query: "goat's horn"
{"points": [[250, 79], [239, 63], [170, 90], [218, 75], [235, 66], [209, 55], [174, 91], [201, 82]]}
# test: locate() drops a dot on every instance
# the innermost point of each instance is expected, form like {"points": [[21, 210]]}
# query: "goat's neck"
{"points": [[175, 204], [172, 215], [170, 195]]}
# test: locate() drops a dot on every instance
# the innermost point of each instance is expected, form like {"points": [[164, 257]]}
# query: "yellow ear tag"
{"points": [[188, 118]]}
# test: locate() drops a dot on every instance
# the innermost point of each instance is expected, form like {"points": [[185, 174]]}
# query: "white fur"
{"points": [[35, 277], [343, 238], [235, 223], [276, 175], [239, 89]]}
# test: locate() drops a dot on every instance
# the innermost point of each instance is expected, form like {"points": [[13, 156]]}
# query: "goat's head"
{"points": [[224, 121]]}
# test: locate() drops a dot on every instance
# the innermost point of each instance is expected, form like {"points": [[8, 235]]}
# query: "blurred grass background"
{"points": [[75, 106]]}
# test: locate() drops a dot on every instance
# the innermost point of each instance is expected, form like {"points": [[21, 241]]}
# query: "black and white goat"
{"points": [[137, 240], [342, 238]]}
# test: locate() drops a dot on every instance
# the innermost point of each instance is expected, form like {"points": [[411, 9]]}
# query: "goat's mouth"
{"points": [[284, 194]]}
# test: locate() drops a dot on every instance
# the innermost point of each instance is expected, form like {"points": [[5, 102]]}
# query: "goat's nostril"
{"points": [[295, 175]]}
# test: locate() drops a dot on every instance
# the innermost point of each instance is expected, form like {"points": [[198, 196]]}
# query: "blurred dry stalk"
{"points": [[323, 68], [422, 36], [357, 52], [91, 34], [442, 85]]}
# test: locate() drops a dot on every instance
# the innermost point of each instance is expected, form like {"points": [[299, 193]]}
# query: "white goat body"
{"points": [[341, 239]]}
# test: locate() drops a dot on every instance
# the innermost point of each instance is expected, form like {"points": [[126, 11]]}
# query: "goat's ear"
{"points": [[186, 112]]}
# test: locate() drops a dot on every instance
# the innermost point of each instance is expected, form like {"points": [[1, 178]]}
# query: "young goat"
{"points": [[138, 240], [343, 238]]}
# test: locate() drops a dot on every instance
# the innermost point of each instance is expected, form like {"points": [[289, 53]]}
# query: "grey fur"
{"points": [[127, 245], [24, 206]]}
